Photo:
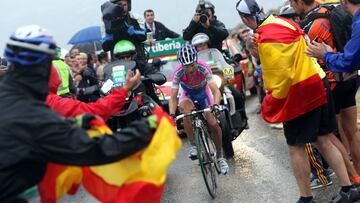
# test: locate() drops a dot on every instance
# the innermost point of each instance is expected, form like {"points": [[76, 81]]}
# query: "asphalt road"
{"points": [[260, 171]]}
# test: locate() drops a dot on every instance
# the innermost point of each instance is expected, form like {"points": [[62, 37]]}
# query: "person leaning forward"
{"points": [[33, 135], [297, 95]]}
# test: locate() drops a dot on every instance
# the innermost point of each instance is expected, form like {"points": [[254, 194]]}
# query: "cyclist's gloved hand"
{"points": [[215, 109], [83, 121]]}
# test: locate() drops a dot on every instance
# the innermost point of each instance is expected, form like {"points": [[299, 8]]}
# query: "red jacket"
{"points": [[104, 107]]}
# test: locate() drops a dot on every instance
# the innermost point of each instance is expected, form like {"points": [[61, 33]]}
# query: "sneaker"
{"points": [[224, 167], [193, 153], [342, 197], [329, 173], [315, 184]]}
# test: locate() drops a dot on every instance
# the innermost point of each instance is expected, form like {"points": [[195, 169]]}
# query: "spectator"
{"points": [[64, 72], [159, 31], [347, 61], [68, 59], [36, 134], [86, 80], [307, 117], [212, 27], [74, 51], [343, 92], [90, 64], [103, 60]]}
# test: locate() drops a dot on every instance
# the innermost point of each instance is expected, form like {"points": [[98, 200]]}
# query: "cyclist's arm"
{"points": [[216, 92], [174, 91], [173, 100]]}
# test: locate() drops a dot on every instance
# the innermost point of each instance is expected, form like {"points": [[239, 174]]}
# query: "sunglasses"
{"points": [[189, 66]]}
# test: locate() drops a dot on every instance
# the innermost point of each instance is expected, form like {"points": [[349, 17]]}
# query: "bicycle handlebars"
{"points": [[192, 113]]}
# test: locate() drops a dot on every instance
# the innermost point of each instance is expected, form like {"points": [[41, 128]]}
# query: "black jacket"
{"points": [[32, 134], [117, 27], [162, 32], [216, 32]]}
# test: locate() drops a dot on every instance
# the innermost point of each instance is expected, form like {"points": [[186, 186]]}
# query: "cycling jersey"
{"points": [[194, 87], [197, 81]]}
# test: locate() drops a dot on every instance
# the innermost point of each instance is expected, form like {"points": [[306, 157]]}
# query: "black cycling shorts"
{"points": [[344, 94], [306, 128]]}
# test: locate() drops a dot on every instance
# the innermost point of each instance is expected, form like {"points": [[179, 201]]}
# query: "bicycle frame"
{"points": [[206, 155]]}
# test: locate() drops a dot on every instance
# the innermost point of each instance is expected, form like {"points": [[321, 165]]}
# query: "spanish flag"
{"points": [[140, 177], [60, 180], [292, 79]]}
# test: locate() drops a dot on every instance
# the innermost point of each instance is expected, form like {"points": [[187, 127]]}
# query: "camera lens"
{"points": [[203, 18]]}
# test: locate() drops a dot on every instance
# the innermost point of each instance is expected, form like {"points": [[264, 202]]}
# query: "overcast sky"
{"points": [[63, 18]]}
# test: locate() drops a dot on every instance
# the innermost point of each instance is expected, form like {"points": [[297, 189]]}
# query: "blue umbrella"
{"points": [[86, 35]]}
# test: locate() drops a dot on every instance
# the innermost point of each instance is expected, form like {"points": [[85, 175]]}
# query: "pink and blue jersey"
{"points": [[194, 87]]}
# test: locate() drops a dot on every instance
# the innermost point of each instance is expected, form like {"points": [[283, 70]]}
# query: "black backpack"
{"points": [[341, 28]]}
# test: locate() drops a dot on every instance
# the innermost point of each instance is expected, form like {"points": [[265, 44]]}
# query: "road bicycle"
{"points": [[205, 149]]}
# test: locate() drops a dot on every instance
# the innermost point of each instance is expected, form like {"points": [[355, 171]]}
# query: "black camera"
{"points": [[202, 11]]}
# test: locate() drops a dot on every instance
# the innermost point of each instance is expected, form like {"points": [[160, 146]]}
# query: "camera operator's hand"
{"points": [[196, 18], [207, 24], [132, 80]]}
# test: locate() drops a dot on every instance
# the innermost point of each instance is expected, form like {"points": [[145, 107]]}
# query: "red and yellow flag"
{"points": [[60, 180], [292, 79], [140, 177]]}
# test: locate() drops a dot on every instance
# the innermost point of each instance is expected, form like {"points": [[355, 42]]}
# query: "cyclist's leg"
{"points": [[186, 105], [205, 102], [216, 132], [217, 137]]}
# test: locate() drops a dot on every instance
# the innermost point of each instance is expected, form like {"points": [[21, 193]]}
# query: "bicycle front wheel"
{"points": [[207, 160]]}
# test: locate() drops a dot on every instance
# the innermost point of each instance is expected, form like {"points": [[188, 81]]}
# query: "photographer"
{"points": [[206, 22], [120, 24]]}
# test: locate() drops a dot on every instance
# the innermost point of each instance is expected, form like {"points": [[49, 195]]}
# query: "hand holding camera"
{"points": [[196, 18], [203, 14]]}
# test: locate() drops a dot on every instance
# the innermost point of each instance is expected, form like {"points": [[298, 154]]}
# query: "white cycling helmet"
{"points": [[200, 38], [30, 45]]}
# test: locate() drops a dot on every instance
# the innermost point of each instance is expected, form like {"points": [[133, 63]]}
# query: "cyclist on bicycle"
{"points": [[195, 79]]}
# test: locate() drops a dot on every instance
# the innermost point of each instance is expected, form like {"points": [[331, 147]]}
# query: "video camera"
{"points": [[111, 12], [202, 11]]}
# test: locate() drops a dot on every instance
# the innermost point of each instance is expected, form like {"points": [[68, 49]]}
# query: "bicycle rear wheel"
{"points": [[207, 160]]}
